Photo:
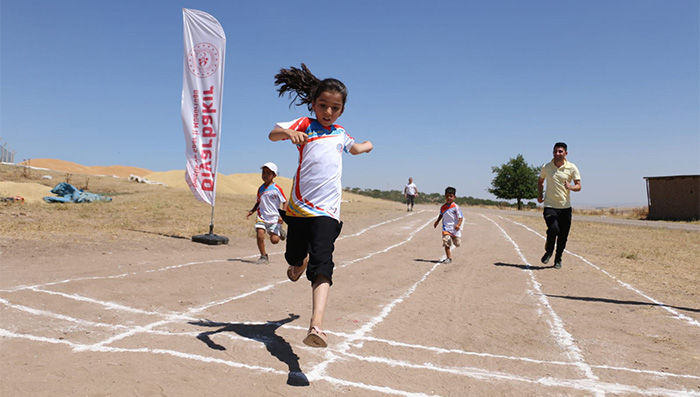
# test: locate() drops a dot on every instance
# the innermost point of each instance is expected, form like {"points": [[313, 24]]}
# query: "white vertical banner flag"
{"points": [[202, 96]]}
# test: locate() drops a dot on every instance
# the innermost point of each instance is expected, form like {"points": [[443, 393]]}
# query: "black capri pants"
{"points": [[315, 237]]}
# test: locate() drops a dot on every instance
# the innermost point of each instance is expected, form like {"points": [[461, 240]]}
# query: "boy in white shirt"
{"points": [[410, 191], [270, 198], [452, 218]]}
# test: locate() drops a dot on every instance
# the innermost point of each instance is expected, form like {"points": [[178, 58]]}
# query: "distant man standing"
{"points": [[410, 192], [557, 202]]}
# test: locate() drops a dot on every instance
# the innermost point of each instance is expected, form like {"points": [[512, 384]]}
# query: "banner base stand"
{"points": [[210, 239]]}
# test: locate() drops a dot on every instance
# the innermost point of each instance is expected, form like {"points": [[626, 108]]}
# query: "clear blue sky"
{"points": [[444, 89]]}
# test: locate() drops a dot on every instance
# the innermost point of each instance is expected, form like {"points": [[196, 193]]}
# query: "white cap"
{"points": [[271, 166]]}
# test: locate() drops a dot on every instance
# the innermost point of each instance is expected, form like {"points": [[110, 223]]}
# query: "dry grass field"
{"points": [[136, 210]]}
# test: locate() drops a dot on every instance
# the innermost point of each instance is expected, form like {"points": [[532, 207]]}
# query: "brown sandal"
{"points": [[292, 273], [315, 338]]}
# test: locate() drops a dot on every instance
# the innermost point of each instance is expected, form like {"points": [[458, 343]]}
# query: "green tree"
{"points": [[515, 180]]}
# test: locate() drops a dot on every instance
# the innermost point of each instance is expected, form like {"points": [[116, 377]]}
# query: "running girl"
{"points": [[313, 214]]}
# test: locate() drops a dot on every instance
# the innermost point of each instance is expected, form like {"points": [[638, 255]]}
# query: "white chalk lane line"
{"points": [[475, 373], [41, 288], [114, 306], [563, 338], [102, 346], [135, 273], [676, 314], [301, 328]]}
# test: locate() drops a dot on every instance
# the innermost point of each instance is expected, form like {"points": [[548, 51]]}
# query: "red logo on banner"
{"points": [[203, 60]]}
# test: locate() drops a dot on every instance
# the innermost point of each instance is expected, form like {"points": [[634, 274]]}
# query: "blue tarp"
{"points": [[70, 194]]}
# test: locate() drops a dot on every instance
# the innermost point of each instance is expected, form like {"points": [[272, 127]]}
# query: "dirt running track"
{"points": [[168, 317]]}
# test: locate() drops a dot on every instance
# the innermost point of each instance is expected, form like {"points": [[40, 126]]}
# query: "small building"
{"points": [[675, 198]]}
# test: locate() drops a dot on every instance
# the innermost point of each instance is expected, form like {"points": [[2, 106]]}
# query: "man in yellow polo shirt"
{"points": [[559, 173]]}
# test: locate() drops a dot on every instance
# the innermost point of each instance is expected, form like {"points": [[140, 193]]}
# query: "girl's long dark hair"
{"points": [[303, 87]]}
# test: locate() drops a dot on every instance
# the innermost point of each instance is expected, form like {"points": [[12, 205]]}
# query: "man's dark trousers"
{"points": [[558, 226]]}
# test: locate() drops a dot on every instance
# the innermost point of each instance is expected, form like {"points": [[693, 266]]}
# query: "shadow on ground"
{"points": [[427, 260], [265, 334], [523, 267], [159, 234], [620, 302], [254, 262]]}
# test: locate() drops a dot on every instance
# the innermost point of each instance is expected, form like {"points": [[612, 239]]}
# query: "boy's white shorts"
{"points": [[448, 240], [270, 228]]}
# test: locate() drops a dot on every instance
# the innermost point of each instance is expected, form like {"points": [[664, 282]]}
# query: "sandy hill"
{"points": [[233, 184], [230, 184], [73, 168]]}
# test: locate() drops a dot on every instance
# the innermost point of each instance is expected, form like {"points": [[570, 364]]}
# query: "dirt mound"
{"points": [[239, 184], [73, 168], [31, 192], [231, 184], [228, 184]]}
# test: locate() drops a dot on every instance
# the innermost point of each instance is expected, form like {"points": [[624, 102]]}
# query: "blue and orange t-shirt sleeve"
{"points": [[281, 192], [444, 208], [301, 124], [348, 141], [261, 190]]}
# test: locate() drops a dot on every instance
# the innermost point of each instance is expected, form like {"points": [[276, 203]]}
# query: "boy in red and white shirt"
{"points": [[270, 198], [452, 218]]}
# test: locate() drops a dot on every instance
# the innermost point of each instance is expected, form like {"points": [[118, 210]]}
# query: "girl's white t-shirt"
{"points": [[317, 187]]}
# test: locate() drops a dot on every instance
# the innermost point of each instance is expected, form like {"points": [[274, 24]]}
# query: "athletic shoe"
{"points": [[557, 264], [263, 260], [447, 260], [546, 257], [283, 234]]}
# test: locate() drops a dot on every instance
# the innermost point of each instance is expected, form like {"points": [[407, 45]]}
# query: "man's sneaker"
{"points": [[447, 260], [557, 263], [263, 260], [546, 257], [283, 234]]}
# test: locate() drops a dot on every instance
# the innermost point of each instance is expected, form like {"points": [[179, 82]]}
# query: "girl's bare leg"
{"points": [[320, 291]]}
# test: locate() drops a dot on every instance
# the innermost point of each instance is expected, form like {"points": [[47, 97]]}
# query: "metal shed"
{"points": [[674, 197]]}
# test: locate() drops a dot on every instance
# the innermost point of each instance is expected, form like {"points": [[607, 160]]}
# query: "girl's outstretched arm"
{"points": [[297, 137], [359, 148]]}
